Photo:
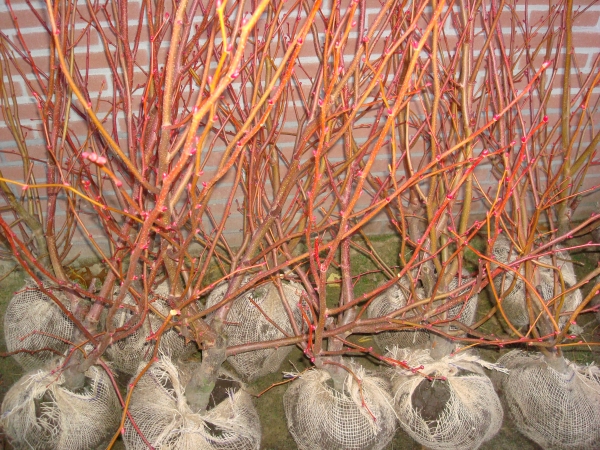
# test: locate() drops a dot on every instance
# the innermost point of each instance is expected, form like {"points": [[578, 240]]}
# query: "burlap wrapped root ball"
{"points": [[247, 322], [556, 406], [511, 287], [321, 417], [39, 412], [160, 410], [36, 327], [393, 299], [464, 312], [460, 412], [126, 354], [397, 296], [571, 300]]}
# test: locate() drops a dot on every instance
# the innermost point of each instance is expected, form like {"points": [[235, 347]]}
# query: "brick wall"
{"points": [[97, 80]]}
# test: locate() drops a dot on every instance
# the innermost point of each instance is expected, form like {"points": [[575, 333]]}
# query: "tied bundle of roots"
{"points": [[165, 420], [40, 412], [398, 296], [260, 315], [126, 354], [446, 404], [35, 327], [358, 416], [548, 281], [552, 401]]}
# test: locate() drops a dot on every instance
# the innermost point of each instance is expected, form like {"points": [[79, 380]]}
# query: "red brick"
{"points": [[16, 88], [23, 17], [97, 60], [587, 18], [78, 127], [6, 134]]}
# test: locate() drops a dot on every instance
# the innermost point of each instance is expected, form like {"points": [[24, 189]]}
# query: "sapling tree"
{"points": [[238, 145]]}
